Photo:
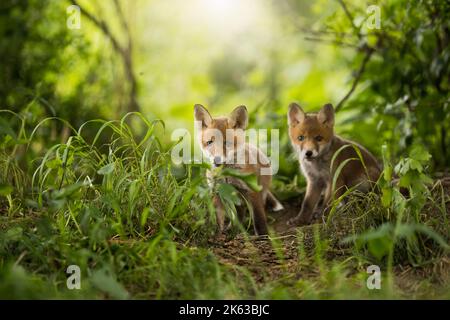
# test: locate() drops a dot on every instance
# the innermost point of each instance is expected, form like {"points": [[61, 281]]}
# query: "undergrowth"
{"points": [[138, 226]]}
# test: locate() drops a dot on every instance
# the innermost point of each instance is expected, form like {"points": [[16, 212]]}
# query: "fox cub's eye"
{"points": [[301, 138], [209, 142], [319, 138]]}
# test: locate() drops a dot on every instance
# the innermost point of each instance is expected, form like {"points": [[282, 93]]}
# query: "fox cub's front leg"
{"points": [[314, 190], [259, 215], [220, 213]]}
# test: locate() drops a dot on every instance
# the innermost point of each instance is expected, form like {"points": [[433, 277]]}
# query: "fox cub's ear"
{"points": [[239, 118], [295, 114], [326, 114], [202, 115]]}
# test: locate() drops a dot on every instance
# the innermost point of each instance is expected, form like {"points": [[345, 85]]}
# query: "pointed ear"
{"points": [[295, 114], [202, 115], [326, 114], [239, 118]]}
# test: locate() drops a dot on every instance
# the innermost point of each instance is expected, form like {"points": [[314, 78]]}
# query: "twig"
{"points": [[123, 21], [125, 52], [128, 59], [350, 17], [336, 42], [359, 73], [324, 32], [101, 25]]}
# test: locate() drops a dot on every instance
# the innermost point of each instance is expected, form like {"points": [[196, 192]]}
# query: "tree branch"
{"points": [[101, 25], [123, 22], [333, 41], [128, 59], [369, 51], [350, 17], [125, 52]]}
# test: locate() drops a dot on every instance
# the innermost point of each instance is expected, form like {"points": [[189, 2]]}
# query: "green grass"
{"points": [[112, 203]]}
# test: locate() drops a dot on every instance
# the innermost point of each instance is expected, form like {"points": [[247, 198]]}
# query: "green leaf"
{"points": [[408, 230], [249, 178], [338, 172], [229, 193], [13, 234], [420, 154], [378, 240], [425, 179], [105, 170], [405, 181], [415, 165], [234, 173], [386, 197], [67, 191], [252, 182], [144, 216], [5, 189], [54, 163], [387, 173], [379, 247], [105, 282], [402, 167]]}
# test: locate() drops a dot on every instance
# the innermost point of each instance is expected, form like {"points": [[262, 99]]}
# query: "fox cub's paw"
{"points": [[277, 207], [298, 221]]}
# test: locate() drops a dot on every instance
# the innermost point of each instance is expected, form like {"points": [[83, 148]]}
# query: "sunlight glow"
{"points": [[228, 16], [219, 7]]}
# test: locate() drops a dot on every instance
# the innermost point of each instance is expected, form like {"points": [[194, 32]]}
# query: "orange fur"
{"points": [[222, 139], [312, 136]]}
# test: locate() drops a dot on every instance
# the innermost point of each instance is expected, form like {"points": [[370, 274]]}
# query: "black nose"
{"points": [[308, 153], [217, 161]]}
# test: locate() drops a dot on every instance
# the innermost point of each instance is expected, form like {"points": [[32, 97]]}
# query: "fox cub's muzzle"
{"points": [[217, 161]]}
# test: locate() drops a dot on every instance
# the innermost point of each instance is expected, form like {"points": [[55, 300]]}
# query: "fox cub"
{"points": [[315, 143], [223, 142]]}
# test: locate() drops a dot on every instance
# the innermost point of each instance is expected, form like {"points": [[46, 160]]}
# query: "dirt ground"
{"points": [[260, 257]]}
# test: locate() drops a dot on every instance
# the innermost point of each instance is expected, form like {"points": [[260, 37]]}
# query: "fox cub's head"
{"points": [[220, 137], [310, 133]]}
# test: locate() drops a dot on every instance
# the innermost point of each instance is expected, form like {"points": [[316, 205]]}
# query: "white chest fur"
{"points": [[315, 169]]}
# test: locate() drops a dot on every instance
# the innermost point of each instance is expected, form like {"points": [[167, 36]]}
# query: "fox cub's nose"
{"points": [[217, 161], [308, 153]]}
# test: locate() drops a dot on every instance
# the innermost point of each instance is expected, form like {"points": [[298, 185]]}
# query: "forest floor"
{"points": [[265, 263], [303, 259]]}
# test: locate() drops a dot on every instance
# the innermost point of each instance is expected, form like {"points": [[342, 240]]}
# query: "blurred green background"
{"points": [[161, 57]]}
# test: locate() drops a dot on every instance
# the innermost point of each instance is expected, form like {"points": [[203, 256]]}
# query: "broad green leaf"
{"points": [[415, 165], [229, 193], [67, 191], [405, 180], [6, 189], [252, 182], [54, 163], [105, 170], [419, 153], [13, 234], [379, 247], [249, 178]]}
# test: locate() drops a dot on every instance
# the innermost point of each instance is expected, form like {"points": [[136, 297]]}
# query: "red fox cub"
{"points": [[315, 143], [223, 142]]}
